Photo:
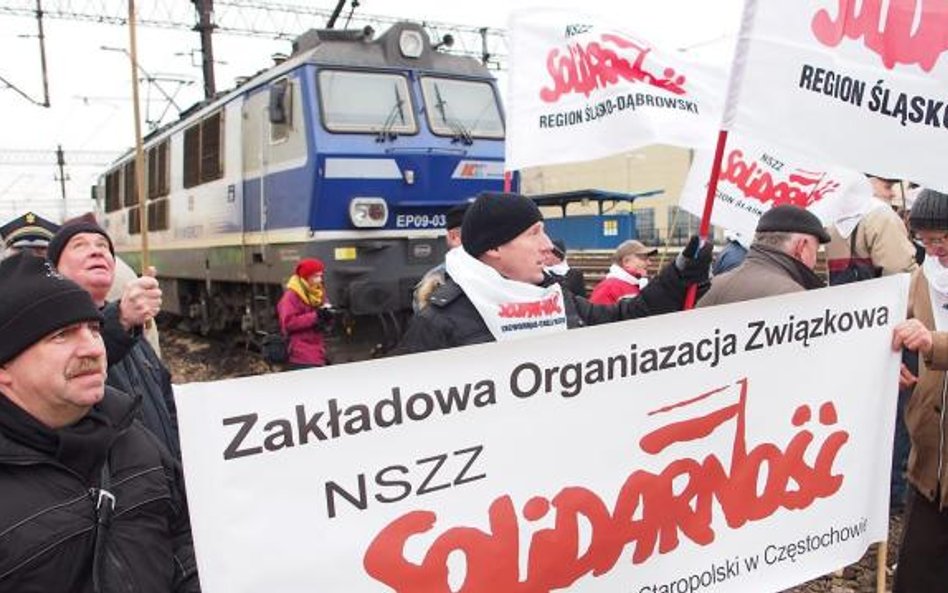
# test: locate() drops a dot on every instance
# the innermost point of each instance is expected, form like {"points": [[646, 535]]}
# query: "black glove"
{"points": [[324, 315], [693, 264]]}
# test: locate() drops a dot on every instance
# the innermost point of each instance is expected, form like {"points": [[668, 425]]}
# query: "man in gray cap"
{"points": [[780, 260], [91, 501], [497, 288]]}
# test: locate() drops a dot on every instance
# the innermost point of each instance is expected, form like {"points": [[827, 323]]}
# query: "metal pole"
{"points": [[139, 150], [205, 9], [42, 44], [61, 162]]}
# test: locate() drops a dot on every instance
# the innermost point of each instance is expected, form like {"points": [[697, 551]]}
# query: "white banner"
{"points": [[583, 88], [862, 84], [757, 176], [723, 450]]}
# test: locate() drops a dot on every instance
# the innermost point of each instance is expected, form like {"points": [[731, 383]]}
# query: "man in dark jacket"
{"points": [[83, 252], [92, 502], [571, 278], [781, 259], [497, 288]]}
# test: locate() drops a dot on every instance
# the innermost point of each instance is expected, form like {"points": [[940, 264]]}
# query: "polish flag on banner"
{"points": [[582, 88], [862, 84], [756, 176]]}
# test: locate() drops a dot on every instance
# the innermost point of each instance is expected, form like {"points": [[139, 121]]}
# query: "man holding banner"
{"points": [[923, 556], [780, 260], [498, 291]]}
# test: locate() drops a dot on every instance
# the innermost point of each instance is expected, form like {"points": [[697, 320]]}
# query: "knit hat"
{"points": [[308, 267], [67, 232], [36, 301], [455, 216], [792, 219], [929, 212], [496, 218]]}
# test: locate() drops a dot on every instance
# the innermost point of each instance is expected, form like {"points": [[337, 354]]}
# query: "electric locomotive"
{"points": [[350, 150]]}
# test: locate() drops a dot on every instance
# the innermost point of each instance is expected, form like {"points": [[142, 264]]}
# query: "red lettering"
{"points": [[585, 68], [549, 306], [651, 511], [896, 43], [758, 183]]}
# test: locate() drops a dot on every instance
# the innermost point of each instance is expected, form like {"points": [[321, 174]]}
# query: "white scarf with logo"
{"points": [[511, 309], [620, 273], [937, 276]]}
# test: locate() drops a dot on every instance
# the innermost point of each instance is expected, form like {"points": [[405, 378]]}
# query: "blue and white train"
{"points": [[350, 150]]}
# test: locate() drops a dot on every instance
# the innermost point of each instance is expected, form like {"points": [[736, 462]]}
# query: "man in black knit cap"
{"points": [[91, 501], [82, 252], [497, 288]]}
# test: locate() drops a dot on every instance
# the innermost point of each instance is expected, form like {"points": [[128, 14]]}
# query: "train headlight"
{"points": [[368, 212], [411, 44]]}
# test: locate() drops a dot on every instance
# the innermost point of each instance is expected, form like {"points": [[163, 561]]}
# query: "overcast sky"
{"points": [[90, 86]]}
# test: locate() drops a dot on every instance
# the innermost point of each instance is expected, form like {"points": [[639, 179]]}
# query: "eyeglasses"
{"points": [[933, 241]]}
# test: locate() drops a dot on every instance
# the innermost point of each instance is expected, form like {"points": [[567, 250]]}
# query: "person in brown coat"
{"points": [[923, 554], [875, 239], [780, 260]]}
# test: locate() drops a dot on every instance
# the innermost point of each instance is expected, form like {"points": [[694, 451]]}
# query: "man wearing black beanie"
{"points": [[82, 251], [497, 289], [91, 502]]}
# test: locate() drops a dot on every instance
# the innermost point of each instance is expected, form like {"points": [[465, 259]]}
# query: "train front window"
{"points": [[462, 109], [368, 102]]}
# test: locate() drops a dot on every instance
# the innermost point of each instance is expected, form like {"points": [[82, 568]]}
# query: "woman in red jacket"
{"points": [[304, 315]]}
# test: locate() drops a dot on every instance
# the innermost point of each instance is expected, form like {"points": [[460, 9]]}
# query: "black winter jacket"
{"points": [[450, 319], [48, 514], [134, 368]]}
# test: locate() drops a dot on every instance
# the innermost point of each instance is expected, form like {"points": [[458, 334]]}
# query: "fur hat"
{"points": [[36, 301], [496, 218], [67, 232], [792, 219]]}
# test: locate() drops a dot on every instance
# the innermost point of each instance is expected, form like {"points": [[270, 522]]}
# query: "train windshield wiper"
{"points": [[457, 128], [397, 110]]}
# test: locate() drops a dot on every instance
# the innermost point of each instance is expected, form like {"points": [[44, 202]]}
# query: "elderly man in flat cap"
{"points": [[497, 288], [780, 260], [91, 502]]}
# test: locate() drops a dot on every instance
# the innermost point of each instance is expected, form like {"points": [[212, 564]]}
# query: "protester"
{"points": [[874, 238], [83, 252], [305, 314], [497, 289], [124, 274], [30, 232], [556, 265], [434, 277], [732, 255], [923, 554], [872, 243], [91, 501], [627, 275], [781, 259]]}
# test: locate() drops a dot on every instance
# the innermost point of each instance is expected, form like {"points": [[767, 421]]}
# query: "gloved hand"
{"points": [[324, 315], [694, 263]]}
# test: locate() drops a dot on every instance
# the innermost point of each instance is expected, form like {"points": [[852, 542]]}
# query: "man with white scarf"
{"points": [[873, 238], [923, 554], [497, 289]]}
